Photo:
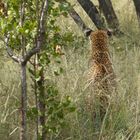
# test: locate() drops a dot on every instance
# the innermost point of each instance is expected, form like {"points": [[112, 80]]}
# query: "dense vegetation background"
{"points": [[66, 74]]}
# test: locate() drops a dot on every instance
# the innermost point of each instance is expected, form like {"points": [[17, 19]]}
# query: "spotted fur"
{"points": [[101, 69], [101, 73]]}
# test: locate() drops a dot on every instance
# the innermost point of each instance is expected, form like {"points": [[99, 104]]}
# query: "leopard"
{"points": [[101, 75]]}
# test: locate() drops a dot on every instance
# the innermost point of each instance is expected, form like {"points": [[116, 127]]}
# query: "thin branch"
{"points": [[10, 52], [41, 32], [5, 40], [22, 19]]}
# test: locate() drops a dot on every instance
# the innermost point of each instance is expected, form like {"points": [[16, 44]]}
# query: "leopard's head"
{"points": [[99, 39]]}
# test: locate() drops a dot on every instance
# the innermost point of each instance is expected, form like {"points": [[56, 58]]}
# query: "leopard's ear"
{"points": [[109, 32], [87, 32]]}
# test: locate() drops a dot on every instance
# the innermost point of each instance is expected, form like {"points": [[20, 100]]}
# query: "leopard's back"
{"points": [[101, 70]]}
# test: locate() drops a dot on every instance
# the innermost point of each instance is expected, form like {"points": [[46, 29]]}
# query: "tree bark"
{"points": [[77, 19], [23, 135], [35, 64], [137, 6], [109, 13], [93, 13], [42, 105]]}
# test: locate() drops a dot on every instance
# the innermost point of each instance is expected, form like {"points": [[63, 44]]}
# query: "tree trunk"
{"points": [[92, 12], [137, 6], [23, 135], [41, 101], [42, 107], [78, 19], [109, 13], [36, 95]]}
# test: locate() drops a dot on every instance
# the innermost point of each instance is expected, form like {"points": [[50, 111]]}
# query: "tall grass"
{"points": [[122, 120]]}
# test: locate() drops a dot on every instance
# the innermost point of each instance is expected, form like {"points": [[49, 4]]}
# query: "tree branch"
{"points": [[9, 51], [40, 35], [30, 54]]}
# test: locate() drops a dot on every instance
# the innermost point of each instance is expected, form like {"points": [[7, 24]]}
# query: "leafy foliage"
{"points": [[20, 24], [56, 108]]}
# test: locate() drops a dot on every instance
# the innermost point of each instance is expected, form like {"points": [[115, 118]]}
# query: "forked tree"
{"points": [[22, 40]]}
